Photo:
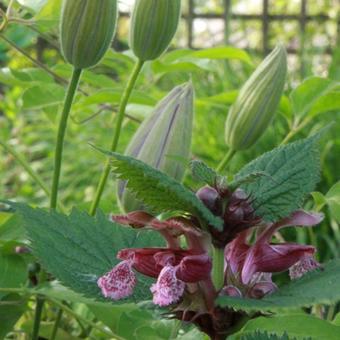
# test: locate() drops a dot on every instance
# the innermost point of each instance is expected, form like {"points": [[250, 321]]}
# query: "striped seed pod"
{"points": [[163, 140], [153, 25], [87, 29], [257, 101]]}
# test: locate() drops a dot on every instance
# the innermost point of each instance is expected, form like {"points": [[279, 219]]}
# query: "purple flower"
{"points": [[246, 260]]}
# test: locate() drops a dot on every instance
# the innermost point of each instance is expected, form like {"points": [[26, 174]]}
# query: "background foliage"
{"points": [[31, 99]]}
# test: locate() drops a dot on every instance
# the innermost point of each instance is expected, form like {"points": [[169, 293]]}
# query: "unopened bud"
{"points": [[87, 29], [163, 140], [257, 102], [153, 25]]}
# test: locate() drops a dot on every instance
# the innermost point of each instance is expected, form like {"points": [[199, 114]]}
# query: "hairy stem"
{"points": [[118, 127], [231, 153], [218, 268], [61, 135]]}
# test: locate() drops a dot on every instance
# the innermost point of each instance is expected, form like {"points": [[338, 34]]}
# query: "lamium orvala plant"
{"points": [[210, 252]]}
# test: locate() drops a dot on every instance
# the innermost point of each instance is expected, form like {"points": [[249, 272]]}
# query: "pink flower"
{"points": [[172, 267], [119, 282]]}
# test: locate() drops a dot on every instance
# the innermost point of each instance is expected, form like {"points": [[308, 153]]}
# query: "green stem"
{"points": [[61, 135], [56, 324], [231, 153], [218, 268], [92, 324], [37, 317], [118, 126], [23, 162]]}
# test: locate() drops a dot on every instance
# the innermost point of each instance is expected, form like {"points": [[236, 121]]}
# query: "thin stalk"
{"points": [[34, 61], [118, 127], [231, 153], [89, 322], [37, 318], [61, 135], [56, 324], [22, 161], [218, 268]]}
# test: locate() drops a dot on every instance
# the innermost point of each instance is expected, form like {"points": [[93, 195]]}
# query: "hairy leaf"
{"points": [[78, 249], [265, 336], [320, 286], [204, 173], [295, 326], [292, 173], [159, 191]]}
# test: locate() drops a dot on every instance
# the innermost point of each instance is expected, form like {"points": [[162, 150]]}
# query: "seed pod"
{"points": [[153, 25], [257, 101], [163, 140], [87, 29]]}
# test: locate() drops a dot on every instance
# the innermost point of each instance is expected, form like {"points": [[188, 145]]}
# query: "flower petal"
{"points": [[119, 282], [168, 289], [305, 265], [263, 257], [194, 268]]}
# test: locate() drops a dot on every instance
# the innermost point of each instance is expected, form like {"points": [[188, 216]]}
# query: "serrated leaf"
{"points": [[77, 249], [202, 172], [296, 326], [249, 178], [294, 170], [320, 286], [265, 336], [159, 191]]}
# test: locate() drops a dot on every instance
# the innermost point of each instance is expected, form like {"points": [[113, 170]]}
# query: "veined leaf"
{"points": [[292, 172], [320, 286], [204, 173], [78, 248], [295, 326], [264, 336], [159, 191]]}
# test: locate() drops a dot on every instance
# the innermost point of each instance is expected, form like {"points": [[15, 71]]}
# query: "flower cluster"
{"points": [[181, 272]]}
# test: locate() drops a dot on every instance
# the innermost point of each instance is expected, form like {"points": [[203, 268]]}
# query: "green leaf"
{"points": [[11, 309], [40, 97], [299, 327], [35, 5], [333, 201], [204, 173], [159, 191], [320, 286], [78, 248], [305, 96], [294, 170], [264, 336], [224, 52], [12, 272]]}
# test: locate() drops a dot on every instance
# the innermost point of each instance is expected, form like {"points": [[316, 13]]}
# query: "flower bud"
{"points": [[87, 29], [153, 25], [163, 140], [257, 102]]}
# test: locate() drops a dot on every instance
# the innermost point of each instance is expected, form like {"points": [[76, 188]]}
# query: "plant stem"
{"points": [[56, 324], [118, 126], [231, 153], [23, 162], [218, 268], [37, 317], [61, 135], [92, 324]]}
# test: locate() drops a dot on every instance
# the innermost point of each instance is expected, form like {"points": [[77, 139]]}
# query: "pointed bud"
{"points": [[153, 25], [163, 140], [87, 29], [230, 290], [257, 102]]}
